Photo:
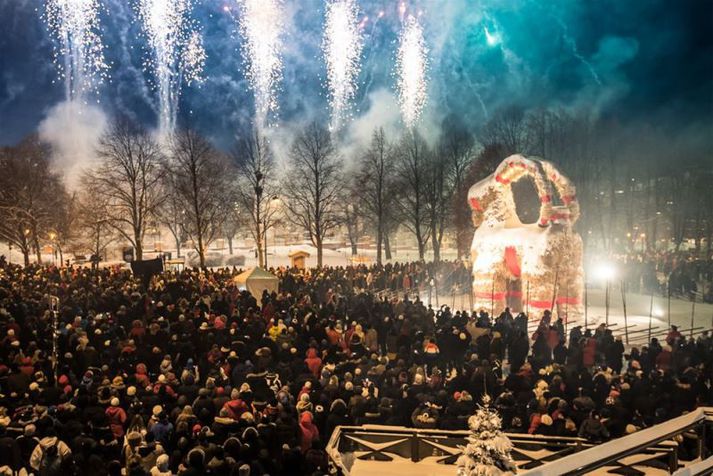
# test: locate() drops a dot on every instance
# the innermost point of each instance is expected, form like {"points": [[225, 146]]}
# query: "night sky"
{"points": [[638, 61]]}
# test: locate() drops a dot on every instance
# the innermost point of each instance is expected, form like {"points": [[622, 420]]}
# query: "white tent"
{"points": [[255, 281]]}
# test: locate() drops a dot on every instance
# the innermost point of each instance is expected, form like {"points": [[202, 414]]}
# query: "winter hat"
{"points": [[162, 461]]}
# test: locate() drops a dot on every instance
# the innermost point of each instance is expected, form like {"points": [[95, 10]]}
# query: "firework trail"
{"points": [[177, 53], [261, 25], [79, 53], [368, 63], [575, 51], [411, 68], [342, 46]]}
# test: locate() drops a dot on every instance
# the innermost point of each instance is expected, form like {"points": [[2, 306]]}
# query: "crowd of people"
{"points": [[683, 274], [192, 375]]}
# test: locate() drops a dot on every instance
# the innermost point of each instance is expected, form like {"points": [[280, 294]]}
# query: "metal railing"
{"points": [[534, 454], [613, 452]]}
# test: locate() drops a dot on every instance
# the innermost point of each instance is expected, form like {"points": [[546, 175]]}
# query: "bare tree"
{"points": [[172, 214], [65, 224], [234, 221], [312, 185], [351, 211], [413, 157], [129, 179], [31, 195], [438, 191], [458, 150], [508, 130], [94, 219], [376, 179], [200, 178], [257, 190]]}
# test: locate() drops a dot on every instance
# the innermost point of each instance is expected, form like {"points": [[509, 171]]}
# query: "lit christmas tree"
{"points": [[488, 450]]}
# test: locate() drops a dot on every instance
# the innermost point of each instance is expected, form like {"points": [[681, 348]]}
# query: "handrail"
{"points": [[697, 469], [518, 439], [600, 455]]}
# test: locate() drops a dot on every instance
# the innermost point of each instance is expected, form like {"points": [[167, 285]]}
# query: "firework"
{"points": [[261, 26], [79, 53], [177, 52], [411, 67], [492, 38], [342, 46]]}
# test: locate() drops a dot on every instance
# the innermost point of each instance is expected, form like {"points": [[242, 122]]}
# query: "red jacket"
{"points": [[314, 363], [590, 352], [308, 431], [117, 418], [663, 360], [235, 408]]}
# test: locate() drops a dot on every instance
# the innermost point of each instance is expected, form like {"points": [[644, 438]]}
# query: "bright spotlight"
{"points": [[657, 312], [605, 271]]}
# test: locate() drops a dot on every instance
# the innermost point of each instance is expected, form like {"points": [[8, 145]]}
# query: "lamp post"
{"points": [[271, 206], [52, 235], [258, 219]]}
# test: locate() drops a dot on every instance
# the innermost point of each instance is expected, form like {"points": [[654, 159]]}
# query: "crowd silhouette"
{"points": [[192, 375]]}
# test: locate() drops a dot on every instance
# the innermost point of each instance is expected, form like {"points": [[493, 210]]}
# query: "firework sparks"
{"points": [[261, 25], [177, 49], [492, 38], [342, 46], [411, 67], [79, 53]]}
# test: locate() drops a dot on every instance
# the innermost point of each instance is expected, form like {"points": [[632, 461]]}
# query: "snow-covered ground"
{"points": [[638, 307]]}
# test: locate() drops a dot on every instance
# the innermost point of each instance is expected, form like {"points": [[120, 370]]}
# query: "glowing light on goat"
{"points": [[605, 271]]}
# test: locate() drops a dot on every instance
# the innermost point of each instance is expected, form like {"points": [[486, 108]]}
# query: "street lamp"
{"points": [[258, 222], [52, 235]]}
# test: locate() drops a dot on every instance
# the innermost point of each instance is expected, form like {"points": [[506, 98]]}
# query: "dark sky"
{"points": [[639, 61]]}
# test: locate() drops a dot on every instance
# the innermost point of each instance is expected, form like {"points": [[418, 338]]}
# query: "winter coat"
{"points": [[590, 352], [308, 431], [117, 418], [45, 443], [314, 363], [235, 408], [593, 430], [663, 360]]}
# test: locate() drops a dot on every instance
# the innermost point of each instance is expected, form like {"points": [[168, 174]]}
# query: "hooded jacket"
{"points": [[314, 363], [308, 431]]}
